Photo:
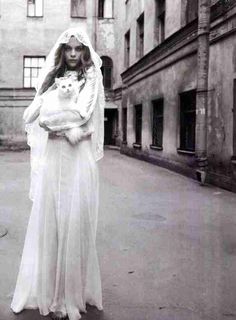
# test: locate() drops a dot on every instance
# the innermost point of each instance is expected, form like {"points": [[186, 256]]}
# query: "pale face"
{"points": [[73, 51]]}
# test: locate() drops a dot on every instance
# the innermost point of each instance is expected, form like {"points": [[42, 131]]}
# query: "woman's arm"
{"points": [[67, 119], [31, 113]]}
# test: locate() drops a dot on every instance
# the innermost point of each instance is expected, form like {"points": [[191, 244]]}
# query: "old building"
{"points": [[159, 45], [28, 29]]}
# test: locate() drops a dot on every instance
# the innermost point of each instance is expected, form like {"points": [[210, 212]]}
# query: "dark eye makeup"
{"points": [[78, 48]]}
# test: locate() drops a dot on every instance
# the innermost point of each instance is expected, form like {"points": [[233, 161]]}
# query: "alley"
{"points": [[167, 246]]}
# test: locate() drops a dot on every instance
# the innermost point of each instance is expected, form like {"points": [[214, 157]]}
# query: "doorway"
{"points": [[110, 126]]}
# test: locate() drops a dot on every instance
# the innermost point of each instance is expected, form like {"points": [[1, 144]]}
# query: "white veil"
{"points": [[37, 137]]}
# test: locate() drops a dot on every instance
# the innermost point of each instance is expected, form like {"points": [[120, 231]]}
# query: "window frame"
{"points": [[157, 115], [101, 9], [35, 16], [189, 15], [127, 49], [31, 68], [78, 16], [105, 67], [160, 20], [140, 36], [184, 124], [124, 124], [138, 122], [234, 119]]}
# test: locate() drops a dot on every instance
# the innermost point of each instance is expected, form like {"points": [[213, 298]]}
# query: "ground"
{"points": [[167, 246]]}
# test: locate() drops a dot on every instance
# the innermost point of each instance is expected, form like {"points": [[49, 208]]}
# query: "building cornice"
{"points": [[16, 97], [175, 42], [181, 44]]}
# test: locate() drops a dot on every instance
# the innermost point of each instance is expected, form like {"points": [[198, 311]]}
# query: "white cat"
{"points": [[61, 99]]}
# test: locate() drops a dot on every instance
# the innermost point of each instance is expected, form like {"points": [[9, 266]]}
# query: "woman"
{"points": [[59, 271]]}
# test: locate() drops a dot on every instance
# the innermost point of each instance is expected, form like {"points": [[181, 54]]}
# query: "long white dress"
{"points": [[59, 269]]}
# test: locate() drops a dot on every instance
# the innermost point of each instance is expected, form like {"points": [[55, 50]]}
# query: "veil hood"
{"points": [[82, 37], [36, 136]]}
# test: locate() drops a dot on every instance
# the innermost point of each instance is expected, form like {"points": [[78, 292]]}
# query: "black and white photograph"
{"points": [[118, 159]]}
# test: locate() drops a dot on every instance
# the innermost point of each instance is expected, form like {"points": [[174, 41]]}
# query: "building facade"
{"points": [[159, 86], [28, 30]]}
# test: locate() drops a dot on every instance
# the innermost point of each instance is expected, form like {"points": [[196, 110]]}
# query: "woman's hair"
{"points": [[60, 66]]}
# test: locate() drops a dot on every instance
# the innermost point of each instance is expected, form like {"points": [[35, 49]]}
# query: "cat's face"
{"points": [[65, 87]]}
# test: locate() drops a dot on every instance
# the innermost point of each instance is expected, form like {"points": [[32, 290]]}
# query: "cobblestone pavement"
{"points": [[167, 246]]}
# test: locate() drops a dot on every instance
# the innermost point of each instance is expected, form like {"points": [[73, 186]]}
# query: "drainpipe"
{"points": [[202, 89], [95, 17]]}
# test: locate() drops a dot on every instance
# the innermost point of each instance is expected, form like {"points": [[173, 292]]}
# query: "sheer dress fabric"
{"points": [[59, 269]]}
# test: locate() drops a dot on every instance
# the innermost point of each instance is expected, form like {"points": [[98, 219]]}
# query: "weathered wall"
{"points": [[167, 83], [11, 125], [179, 77], [126, 19], [222, 72], [21, 35], [31, 36]]}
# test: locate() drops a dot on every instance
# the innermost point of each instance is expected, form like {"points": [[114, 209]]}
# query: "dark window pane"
{"points": [[138, 124], [157, 135], [106, 69], [127, 49], [162, 27], [234, 121], [124, 123], [187, 120], [101, 8]]}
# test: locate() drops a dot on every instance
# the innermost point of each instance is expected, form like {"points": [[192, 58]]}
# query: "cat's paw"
{"points": [[73, 135]]}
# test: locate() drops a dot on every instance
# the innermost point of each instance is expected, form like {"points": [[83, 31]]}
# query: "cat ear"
{"points": [[57, 81]]}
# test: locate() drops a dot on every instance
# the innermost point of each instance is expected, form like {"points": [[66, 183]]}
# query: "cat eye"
{"points": [[63, 87], [70, 85]]}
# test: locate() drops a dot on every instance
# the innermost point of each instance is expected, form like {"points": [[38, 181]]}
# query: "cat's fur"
{"points": [[63, 98]]}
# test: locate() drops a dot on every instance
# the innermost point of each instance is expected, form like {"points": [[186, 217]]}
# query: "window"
{"points": [[32, 65], [106, 69], [78, 8], [140, 36], [234, 121], [138, 124], [127, 48], [157, 123], [161, 15], [191, 10], [35, 8], [105, 8], [187, 120], [124, 124]]}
